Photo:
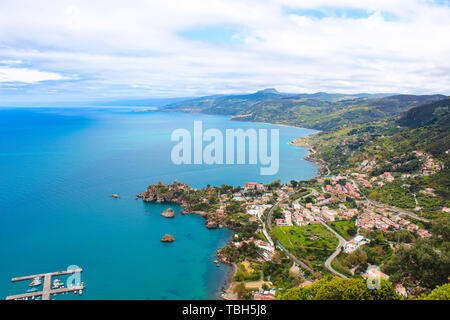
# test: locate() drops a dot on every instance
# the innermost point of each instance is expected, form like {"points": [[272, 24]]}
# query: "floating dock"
{"points": [[46, 287]]}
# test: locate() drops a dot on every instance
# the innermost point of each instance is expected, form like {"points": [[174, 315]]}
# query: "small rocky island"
{"points": [[169, 213], [168, 238]]}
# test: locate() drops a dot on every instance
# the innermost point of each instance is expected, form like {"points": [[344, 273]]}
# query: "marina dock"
{"points": [[47, 285]]}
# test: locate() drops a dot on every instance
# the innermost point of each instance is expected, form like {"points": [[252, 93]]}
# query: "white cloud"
{"points": [[120, 48], [10, 62], [26, 75]]}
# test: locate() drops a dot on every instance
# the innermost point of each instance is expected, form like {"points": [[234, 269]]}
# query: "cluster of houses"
{"points": [[348, 189], [430, 165], [363, 180], [366, 166], [378, 218], [368, 217], [311, 214]]}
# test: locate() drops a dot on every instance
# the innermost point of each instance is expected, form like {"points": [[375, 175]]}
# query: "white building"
{"points": [[288, 217], [355, 243]]}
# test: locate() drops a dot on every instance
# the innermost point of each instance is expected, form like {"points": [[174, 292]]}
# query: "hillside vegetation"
{"points": [[391, 143], [317, 111]]}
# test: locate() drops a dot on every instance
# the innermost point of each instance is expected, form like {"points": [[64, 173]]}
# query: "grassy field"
{"points": [[247, 272], [342, 227], [312, 243]]}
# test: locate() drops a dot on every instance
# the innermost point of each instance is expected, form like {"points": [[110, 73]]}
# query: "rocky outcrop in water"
{"points": [[211, 224], [164, 193], [168, 238], [169, 213]]}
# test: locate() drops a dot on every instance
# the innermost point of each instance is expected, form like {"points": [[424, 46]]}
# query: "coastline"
{"points": [[300, 142], [227, 287]]}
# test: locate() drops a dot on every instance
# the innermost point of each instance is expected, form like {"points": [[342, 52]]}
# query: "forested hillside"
{"points": [[317, 111]]}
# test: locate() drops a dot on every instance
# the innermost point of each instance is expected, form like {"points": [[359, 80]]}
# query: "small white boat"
{"points": [[80, 292], [35, 282]]}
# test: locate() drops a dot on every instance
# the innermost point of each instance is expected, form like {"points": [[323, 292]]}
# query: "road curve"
{"points": [[335, 253]]}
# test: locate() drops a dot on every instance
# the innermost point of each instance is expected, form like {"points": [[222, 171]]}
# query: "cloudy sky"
{"points": [[82, 50]]}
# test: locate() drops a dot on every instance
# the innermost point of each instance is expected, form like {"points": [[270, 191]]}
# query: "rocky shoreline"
{"points": [[301, 142], [227, 287]]}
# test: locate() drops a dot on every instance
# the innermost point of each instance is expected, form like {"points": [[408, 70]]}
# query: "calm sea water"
{"points": [[58, 168]]}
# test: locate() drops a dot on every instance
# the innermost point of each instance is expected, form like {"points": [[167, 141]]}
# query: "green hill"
{"points": [[429, 128], [317, 111]]}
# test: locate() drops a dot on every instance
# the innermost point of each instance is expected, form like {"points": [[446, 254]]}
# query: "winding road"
{"points": [[335, 253]]}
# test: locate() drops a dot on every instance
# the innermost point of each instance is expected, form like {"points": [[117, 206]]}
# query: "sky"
{"points": [[102, 50]]}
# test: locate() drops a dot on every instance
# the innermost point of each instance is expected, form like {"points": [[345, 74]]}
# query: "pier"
{"points": [[47, 285]]}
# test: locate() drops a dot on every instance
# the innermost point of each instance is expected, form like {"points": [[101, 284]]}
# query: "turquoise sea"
{"points": [[58, 168]]}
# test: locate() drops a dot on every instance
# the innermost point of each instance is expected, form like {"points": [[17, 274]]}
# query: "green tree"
{"points": [[421, 265], [441, 228], [333, 288], [438, 293], [241, 291]]}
